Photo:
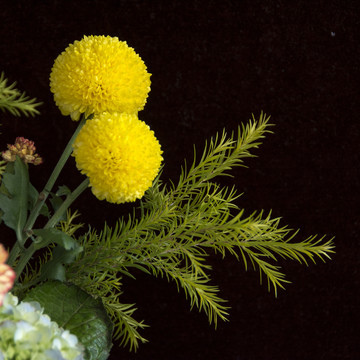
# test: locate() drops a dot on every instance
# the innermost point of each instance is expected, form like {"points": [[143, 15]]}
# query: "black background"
{"points": [[213, 63]]}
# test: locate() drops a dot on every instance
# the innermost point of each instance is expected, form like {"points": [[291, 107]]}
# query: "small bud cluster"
{"points": [[23, 148]]}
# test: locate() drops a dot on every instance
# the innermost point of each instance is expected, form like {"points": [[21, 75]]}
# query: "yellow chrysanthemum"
{"points": [[120, 155], [97, 74]]}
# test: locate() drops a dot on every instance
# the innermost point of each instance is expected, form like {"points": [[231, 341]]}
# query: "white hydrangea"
{"points": [[28, 334]]}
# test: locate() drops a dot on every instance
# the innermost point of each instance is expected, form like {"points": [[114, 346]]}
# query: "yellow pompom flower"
{"points": [[120, 155], [97, 74]]}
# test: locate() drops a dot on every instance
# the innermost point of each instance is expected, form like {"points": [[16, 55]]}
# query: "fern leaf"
{"points": [[16, 102]]}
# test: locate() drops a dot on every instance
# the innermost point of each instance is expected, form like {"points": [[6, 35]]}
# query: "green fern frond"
{"points": [[126, 327], [2, 168], [14, 101], [220, 156], [67, 226], [107, 287], [274, 277], [262, 238], [178, 225], [199, 292]]}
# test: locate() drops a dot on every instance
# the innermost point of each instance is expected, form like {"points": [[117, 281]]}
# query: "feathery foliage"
{"points": [[15, 101], [178, 225], [107, 286], [2, 168]]}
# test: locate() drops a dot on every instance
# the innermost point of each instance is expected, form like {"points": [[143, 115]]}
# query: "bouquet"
{"points": [[61, 281]]}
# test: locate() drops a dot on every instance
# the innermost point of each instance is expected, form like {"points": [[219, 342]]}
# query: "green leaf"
{"points": [[52, 235], [15, 205], [33, 197], [77, 311], [63, 190], [54, 268], [15, 101], [64, 253], [56, 202]]}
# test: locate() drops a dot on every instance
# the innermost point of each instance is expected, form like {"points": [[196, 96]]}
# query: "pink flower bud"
{"points": [[23, 148], [7, 274]]}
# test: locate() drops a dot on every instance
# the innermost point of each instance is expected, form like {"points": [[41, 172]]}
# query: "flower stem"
{"points": [[28, 253], [17, 248], [65, 205], [26, 256], [14, 253], [44, 194]]}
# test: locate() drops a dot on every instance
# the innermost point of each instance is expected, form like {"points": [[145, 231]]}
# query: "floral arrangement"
{"points": [[102, 83]]}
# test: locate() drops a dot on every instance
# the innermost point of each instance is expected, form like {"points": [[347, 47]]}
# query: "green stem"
{"points": [[28, 253], [17, 248], [16, 167], [44, 194], [26, 256], [14, 253], [65, 205]]}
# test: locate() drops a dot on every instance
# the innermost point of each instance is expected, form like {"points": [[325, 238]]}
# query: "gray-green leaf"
{"points": [[65, 252], [57, 236], [15, 206]]}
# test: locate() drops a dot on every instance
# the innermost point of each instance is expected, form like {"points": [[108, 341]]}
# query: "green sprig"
{"points": [[181, 224], [15, 101]]}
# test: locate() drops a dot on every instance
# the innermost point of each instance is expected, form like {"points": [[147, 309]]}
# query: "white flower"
{"points": [[29, 312], [53, 355], [26, 332], [70, 339]]}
